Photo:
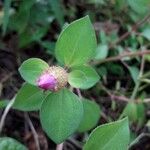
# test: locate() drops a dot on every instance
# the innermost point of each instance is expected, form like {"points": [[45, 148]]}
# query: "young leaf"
{"points": [[7, 143], [83, 77], [90, 117], [31, 69], [77, 43], [114, 136], [61, 114], [29, 98], [101, 51]]}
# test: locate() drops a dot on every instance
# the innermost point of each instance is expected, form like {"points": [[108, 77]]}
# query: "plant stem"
{"points": [[138, 139], [2, 121], [35, 135], [116, 58], [138, 81], [79, 93], [59, 146]]}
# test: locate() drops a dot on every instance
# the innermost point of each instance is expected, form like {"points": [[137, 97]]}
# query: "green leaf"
{"points": [[146, 32], [139, 6], [58, 11], [49, 46], [29, 98], [76, 44], [141, 115], [134, 71], [111, 136], [90, 117], [135, 112], [31, 69], [7, 4], [83, 77], [101, 51], [121, 4], [131, 111], [28, 36], [20, 20], [61, 114], [7, 143]]}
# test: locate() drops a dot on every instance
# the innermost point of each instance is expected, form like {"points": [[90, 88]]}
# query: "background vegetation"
{"points": [[30, 28]]}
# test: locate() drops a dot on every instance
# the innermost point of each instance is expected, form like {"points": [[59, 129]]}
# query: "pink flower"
{"points": [[47, 82]]}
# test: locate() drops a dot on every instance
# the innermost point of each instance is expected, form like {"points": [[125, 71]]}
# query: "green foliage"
{"points": [[135, 112], [5, 22], [114, 136], [29, 98], [130, 111], [31, 69], [60, 115], [134, 71], [58, 11], [101, 51], [32, 16], [141, 114], [76, 44], [115, 68], [83, 77], [20, 21], [90, 117], [139, 6], [146, 32], [7, 143], [28, 37], [3, 103]]}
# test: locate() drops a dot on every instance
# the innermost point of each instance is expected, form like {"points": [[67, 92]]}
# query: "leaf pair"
{"points": [[57, 111], [75, 46]]}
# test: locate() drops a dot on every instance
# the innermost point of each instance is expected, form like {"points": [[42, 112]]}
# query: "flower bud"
{"points": [[54, 79]]}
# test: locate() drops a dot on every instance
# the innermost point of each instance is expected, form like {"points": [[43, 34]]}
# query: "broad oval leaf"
{"points": [[83, 77], [60, 115], [113, 136], [90, 117], [29, 98], [77, 43], [7, 143], [31, 69]]}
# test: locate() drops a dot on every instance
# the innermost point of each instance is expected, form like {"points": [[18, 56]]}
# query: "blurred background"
{"points": [[30, 28]]}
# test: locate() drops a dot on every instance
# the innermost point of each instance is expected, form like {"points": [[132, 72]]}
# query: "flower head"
{"points": [[47, 82], [54, 79]]}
